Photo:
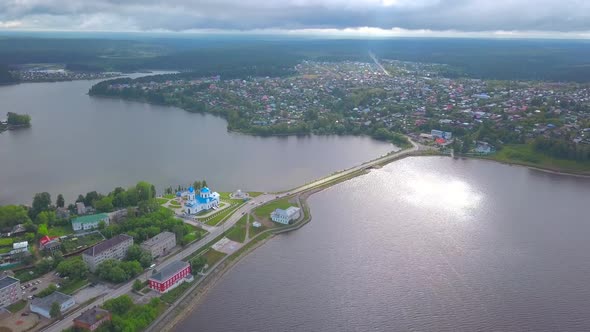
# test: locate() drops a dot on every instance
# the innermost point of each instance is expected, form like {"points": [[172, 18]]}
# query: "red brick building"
{"points": [[92, 319], [171, 276]]}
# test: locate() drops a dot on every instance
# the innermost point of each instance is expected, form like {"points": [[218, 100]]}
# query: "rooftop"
{"points": [[7, 281], [169, 270], [46, 302], [90, 218], [105, 245], [92, 316], [158, 238]]}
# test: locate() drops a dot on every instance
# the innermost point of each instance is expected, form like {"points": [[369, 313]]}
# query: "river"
{"points": [[79, 143], [423, 244]]}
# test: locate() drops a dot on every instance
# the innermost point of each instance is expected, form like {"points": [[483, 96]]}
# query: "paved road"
{"points": [[253, 203], [378, 63]]}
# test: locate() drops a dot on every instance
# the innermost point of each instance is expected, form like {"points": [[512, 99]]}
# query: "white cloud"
{"points": [[339, 17]]}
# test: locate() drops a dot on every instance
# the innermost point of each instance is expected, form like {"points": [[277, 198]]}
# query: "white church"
{"points": [[206, 200]]}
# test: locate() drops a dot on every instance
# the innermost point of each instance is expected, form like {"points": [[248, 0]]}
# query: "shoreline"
{"points": [[201, 291], [536, 168]]}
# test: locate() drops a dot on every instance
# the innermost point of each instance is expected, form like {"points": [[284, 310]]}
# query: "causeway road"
{"points": [[67, 320]]}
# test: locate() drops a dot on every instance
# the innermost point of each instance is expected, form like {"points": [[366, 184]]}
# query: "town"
{"points": [[380, 100], [58, 259]]}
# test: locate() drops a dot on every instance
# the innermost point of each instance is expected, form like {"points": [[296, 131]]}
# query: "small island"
{"points": [[15, 121]]}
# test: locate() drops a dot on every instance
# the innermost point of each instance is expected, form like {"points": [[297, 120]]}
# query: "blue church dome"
{"points": [[191, 189], [205, 190]]}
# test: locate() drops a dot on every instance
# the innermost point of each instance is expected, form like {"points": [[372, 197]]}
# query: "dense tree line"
{"points": [[562, 149], [144, 227]]}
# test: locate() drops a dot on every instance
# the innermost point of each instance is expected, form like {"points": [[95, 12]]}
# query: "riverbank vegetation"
{"points": [[528, 155]]}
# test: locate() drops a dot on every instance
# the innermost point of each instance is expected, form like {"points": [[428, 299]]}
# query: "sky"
{"points": [[469, 18]]}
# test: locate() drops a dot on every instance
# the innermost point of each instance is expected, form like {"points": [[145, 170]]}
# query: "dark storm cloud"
{"points": [[179, 15]]}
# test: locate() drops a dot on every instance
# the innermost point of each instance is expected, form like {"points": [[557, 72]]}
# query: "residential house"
{"points": [[42, 305], [285, 216], [10, 291], [113, 248], [89, 222], [160, 244], [91, 319], [170, 276]]}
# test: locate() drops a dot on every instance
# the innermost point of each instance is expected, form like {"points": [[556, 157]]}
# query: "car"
{"points": [[30, 297], [22, 287], [33, 289], [24, 314]]}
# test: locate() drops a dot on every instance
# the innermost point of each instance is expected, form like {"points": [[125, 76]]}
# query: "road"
{"points": [[232, 220], [378, 63]]}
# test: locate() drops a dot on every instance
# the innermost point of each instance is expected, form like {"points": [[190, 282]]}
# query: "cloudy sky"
{"points": [[570, 18]]}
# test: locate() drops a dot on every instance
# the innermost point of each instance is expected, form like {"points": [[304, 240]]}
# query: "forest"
{"points": [[551, 60]]}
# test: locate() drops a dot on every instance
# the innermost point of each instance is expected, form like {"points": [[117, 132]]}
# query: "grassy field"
{"points": [[238, 231], [73, 286], [218, 217], [17, 306], [60, 230], [255, 230], [213, 256], [523, 154], [254, 193], [162, 200], [265, 210], [171, 296], [169, 196], [26, 275]]}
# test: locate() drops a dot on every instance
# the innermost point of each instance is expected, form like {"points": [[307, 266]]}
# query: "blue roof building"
{"points": [[206, 200]]}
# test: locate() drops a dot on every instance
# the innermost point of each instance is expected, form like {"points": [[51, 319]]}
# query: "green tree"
{"points": [[74, 268], [46, 217], [47, 291], [137, 285], [60, 202], [41, 202], [55, 311], [18, 119], [104, 204], [42, 230], [145, 191], [197, 264], [11, 215], [119, 305]]}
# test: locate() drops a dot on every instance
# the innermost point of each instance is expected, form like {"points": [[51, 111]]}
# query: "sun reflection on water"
{"points": [[427, 190]]}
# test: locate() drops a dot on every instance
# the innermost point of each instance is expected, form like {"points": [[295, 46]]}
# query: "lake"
{"points": [[423, 244], [79, 143]]}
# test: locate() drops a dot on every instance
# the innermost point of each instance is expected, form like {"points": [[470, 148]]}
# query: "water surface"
{"points": [[423, 244], [80, 143]]}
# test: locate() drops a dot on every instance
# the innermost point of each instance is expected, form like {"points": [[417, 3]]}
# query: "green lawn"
{"points": [[213, 256], [219, 216], [174, 204], [60, 230], [169, 196], [171, 296], [162, 200], [73, 286], [265, 210], [17, 306], [238, 231], [80, 242], [254, 193], [255, 230], [524, 154], [5, 250]]}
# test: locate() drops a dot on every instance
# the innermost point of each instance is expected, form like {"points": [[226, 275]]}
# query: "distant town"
{"points": [[380, 99]]}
